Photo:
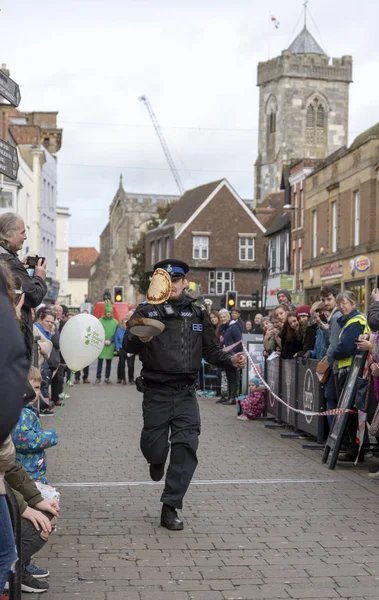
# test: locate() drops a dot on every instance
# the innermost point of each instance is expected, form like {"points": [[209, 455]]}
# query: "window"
{"points": [[334, 226], [294, 264], [301, 208], [6, 199], [160, 249], [272, 122], [295, 210], [167, 247], [271, 109], [220, 282], [200, 247], [314, 234], [247, 249], [357, 212], [315, 122], [152, 253], [279, 253], [300, 268]]}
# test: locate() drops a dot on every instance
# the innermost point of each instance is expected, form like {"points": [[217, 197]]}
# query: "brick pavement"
{"points": [[245, 541]]}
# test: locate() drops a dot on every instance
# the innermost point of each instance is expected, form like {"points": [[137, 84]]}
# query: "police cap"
{"points": [[175, 268]]}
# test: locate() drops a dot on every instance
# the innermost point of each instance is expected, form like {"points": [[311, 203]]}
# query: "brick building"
{"points": [[213, 230], [299, 171], [342, 219]]}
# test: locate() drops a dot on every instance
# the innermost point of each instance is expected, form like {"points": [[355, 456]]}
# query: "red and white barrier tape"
{"points": [[306, 413]]}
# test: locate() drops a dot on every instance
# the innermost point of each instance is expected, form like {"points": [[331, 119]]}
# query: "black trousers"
{"points": [[85, 374], [31, 541], [121, 364], [130, 361], [57, 382], [173, 416]]}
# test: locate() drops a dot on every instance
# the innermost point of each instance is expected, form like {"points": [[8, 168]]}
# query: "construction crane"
{"points": [[163, 142]]}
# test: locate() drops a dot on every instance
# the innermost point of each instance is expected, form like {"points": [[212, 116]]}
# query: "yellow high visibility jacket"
{"points": [[346, 362]]}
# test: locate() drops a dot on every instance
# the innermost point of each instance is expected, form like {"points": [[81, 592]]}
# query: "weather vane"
{"points": [[305, 4]]}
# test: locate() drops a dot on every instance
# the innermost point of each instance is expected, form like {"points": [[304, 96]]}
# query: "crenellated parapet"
{"points": [[307, 66]]}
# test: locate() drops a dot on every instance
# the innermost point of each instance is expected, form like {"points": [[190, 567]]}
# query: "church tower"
{"points": [[303, 109]]}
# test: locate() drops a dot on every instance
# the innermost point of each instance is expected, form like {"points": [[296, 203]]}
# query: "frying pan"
{"points": [[145, 327]]}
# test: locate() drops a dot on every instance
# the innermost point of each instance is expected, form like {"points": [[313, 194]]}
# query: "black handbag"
{"points": [[365, 399]]}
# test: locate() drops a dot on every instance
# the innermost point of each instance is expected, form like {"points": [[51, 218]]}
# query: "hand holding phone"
{"points": [[40, 269], [375, 291]]}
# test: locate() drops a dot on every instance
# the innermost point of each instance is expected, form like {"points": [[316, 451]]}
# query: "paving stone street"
{"points": [[264, 519]]}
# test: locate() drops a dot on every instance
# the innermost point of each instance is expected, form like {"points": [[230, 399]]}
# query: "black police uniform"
{"points": [[171, 362]]}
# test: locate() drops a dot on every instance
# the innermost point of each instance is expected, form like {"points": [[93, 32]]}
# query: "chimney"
{"points": [[4, 69]]}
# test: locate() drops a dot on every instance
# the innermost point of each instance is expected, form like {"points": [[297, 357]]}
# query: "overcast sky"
{"points": [[195, 59]]}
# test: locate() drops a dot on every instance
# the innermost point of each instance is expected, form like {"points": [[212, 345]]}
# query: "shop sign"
{"points": [[331, 270], [247, 304], [362, 263]]}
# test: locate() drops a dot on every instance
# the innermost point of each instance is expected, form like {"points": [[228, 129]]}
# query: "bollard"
{"points": [[15, 577]]}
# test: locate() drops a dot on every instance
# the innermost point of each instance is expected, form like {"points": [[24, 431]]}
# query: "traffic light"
{"points": [[118, 293], [231, 300], [255, 296]]}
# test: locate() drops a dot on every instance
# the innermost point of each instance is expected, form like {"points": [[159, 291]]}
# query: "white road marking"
{"points": [[196, 482]]}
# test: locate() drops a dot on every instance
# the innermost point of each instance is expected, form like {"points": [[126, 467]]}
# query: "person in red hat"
{"points": [[308, 331]]}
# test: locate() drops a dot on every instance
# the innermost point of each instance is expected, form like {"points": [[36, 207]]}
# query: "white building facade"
{"points": [[62, 252]]}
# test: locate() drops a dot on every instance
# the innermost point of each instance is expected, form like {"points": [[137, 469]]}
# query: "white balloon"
{"points": [[81, 341]]}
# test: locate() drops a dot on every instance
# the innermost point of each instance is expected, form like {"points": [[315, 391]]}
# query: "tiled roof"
{"points": [[79, 271], [189, 203], [305, 43], [82, 256]]}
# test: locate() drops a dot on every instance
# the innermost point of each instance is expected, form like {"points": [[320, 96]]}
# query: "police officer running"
{"points": [[171, 362]]}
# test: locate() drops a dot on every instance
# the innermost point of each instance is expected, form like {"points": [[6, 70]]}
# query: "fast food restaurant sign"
{"points": [[362, 264], [331, 270]]}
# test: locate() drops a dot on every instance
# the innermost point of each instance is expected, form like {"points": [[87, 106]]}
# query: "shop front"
{"points": [[357, 274]]}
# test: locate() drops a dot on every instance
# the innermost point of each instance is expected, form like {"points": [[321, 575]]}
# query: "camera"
{"points": [[33, 261]]}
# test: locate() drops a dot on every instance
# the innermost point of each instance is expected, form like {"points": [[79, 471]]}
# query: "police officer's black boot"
{"points": [[232, 394], [170, 519], [156, 471]]}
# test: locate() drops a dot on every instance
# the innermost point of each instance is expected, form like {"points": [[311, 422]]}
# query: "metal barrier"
{"points": [[15, 577], [299, 387], [273, 378]]}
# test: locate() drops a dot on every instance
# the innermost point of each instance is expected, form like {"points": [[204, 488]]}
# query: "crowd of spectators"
{"points": [[24, 474], [330, 331], [34, 381]]}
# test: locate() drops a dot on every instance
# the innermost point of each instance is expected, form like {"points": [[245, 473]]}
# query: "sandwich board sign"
{"points": [[346, 401]]}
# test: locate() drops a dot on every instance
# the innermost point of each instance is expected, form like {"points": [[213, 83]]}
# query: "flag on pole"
{"points": [[274, 21]]}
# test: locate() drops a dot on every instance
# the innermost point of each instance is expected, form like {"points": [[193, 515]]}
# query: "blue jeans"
{"points": [[8, 554], [100, 368]]}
